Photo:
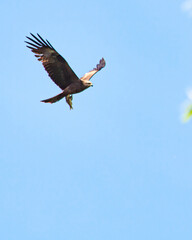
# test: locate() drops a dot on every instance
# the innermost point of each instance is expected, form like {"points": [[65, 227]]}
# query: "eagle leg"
{"points": [[69, 99]]}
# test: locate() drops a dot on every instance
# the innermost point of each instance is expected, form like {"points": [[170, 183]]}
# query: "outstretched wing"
{"points": [[55, 65], [90, 74]]}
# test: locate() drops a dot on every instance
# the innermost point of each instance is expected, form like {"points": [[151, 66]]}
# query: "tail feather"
{"points": [[54, 99]]}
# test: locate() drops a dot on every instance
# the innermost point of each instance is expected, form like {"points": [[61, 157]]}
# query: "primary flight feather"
{"points": [[59, 70]]}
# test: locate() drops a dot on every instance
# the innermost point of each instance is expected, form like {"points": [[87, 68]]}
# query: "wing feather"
{"points": [[90, 74], [55, 65]]}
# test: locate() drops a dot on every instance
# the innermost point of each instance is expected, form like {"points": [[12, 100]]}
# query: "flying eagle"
{"points": [[59, 70]]}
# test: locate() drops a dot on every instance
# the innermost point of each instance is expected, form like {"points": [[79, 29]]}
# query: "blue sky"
{"points": [[118, 166]]}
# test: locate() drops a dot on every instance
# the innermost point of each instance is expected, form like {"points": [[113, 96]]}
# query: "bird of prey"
{"points": [[59, 70]]}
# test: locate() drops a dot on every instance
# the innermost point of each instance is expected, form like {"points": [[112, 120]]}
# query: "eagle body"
{"points": [[79, 86], [59, 70]]}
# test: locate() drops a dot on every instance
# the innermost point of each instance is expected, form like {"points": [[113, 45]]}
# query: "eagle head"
{"points": [[87, 84]]}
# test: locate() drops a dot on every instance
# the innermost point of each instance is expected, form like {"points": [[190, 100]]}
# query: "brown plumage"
{"points": [[59, 70]]}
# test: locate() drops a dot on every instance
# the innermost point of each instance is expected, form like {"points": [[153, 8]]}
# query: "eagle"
{"points": [[59, 70]]}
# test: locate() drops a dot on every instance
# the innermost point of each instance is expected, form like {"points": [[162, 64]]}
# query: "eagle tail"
{"points": [[54, 99]]}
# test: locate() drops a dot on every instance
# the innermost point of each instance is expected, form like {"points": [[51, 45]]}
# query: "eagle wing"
{"points": [[55, 65], [90, 74]]}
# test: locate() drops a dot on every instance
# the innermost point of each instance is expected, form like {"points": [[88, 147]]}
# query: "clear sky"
{"points": [[119, 165]]}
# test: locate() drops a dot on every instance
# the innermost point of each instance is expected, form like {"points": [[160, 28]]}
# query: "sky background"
{"points": [[119, 165]]}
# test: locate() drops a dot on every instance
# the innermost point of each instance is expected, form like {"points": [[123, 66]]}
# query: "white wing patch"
{"points": [[90, 74]]}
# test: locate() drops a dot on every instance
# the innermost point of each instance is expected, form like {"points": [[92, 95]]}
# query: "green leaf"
{"points": [[188, 114]]}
